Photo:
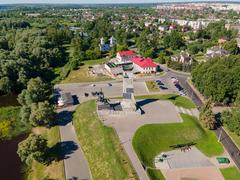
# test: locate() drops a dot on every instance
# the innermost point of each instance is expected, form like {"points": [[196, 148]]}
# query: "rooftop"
{"points": [[144, 62], [127, 53]]}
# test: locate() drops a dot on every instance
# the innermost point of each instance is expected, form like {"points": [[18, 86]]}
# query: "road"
{"points": [[75, 163]]}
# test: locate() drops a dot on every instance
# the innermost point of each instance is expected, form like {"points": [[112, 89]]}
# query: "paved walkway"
{"points": [[75, 164], [191, 112], [126, 125]]}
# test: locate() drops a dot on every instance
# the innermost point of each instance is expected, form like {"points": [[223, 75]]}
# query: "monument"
{"points": [[128, 103]]}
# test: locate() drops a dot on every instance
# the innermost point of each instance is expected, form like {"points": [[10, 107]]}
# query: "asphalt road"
{"points": [[75, 163]]}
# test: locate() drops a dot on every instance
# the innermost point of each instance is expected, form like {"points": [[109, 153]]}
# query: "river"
{"points": [[9, 100], [11, 166]]}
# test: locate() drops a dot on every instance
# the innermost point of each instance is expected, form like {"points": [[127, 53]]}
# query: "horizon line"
{"points": [[106, 3]]}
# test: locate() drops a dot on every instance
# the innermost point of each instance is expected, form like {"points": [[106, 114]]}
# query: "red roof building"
{"points": [[144, 65], [125, 56], [127, 53]]}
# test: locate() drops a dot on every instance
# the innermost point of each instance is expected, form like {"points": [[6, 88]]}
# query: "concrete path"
{"points": [[191, 112], [75, 164], [126, 125]]}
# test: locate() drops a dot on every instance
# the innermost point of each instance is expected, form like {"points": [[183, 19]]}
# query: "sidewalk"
{"points": [[75, 163]]}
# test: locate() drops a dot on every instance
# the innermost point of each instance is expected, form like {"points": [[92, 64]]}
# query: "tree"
{"points": [[174, 40], [5, 85], [232, 120], [148, 53], [162, 58], [36, 91], [231, 46], [121, 47], [25, 113], [218, 78], [42, 114], [207, 116], [33, 148]]}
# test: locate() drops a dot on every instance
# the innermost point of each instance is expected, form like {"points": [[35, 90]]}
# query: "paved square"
{"points": [[188, 159]]}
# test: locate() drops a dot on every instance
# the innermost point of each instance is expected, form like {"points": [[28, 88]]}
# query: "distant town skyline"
{"points": [[103, 1]]}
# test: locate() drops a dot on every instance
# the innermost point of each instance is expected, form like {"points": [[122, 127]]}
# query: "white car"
{"points": [[93, 85]]}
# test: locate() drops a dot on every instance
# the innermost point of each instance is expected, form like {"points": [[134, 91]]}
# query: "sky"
{"points": [[95, 1]]}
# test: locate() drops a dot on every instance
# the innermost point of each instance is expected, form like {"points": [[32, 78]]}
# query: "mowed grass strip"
{"points": [[56, 169], [177, 100], [101, 146], [152, 86], [231, 173], [82, 74], [150, 140]]}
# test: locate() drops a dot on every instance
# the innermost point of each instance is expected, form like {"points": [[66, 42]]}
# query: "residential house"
{"points": [[144, 65], [215, 51], [183, 57]]}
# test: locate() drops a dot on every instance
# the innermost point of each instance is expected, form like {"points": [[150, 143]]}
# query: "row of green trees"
{"points": [[219, 78], [36, 111]]}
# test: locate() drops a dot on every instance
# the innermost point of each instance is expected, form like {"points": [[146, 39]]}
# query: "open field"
{"points": [[152, 86], [101, 146], [82, 75], [150, 140], [56, 169], [231, 173], [175, 99]]}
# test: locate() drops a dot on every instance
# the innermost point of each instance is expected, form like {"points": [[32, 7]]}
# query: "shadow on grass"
{"points": [[183, 145], [173, 98], [61, 151]]}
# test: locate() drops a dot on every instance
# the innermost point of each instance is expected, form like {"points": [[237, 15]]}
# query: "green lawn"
{"points": [[175, 99], [231, 173], [152, 86], [82, 75], [56, 169], [101, 146], [11, 113], [152, 139]]}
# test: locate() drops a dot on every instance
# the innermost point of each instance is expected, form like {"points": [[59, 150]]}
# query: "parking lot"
{"points": [[109, 89]]}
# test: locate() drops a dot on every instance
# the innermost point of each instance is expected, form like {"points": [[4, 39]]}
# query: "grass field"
{"points": [[56, 169], [231, 173], [175, 99], [152, 86], [150, 140], [82, 75], [101, 146]]}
